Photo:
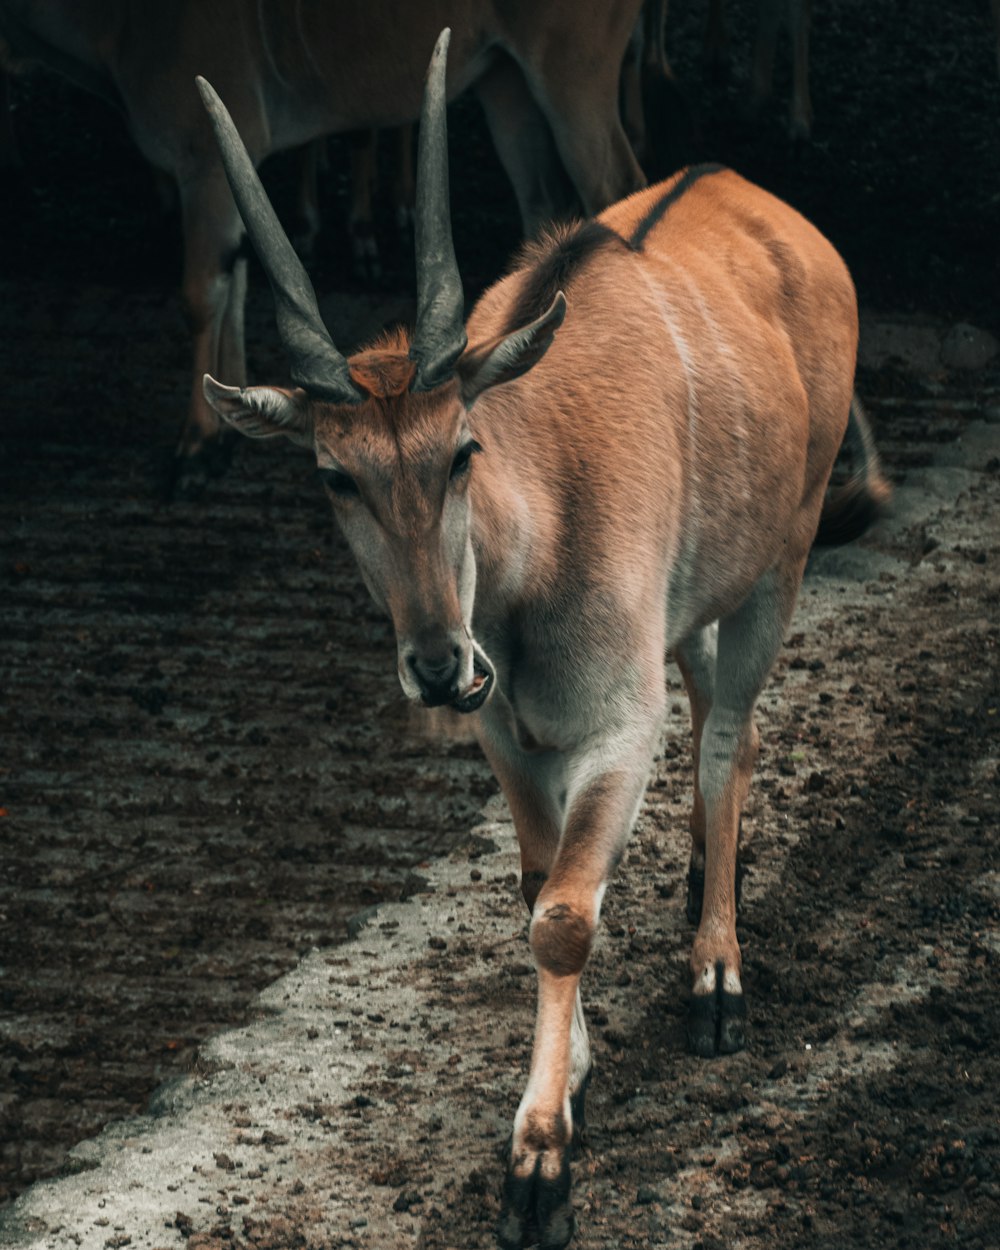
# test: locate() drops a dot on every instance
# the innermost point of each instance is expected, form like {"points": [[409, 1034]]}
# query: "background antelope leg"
{"points": [[525, 145], [213, 289]]}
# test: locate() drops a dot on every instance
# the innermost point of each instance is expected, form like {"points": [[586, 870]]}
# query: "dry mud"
{"points": [[368, 1100]]}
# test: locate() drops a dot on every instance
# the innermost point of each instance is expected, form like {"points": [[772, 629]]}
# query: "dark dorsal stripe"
{"points": [[662, 205], [551, 264]]}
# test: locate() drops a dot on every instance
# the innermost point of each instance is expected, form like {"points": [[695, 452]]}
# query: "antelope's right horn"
{"points": [[439, 338], [316, 364]]}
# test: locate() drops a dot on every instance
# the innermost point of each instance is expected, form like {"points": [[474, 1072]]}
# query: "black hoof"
{"points": [[536, 1212], [188, 476], [717, 1022]]}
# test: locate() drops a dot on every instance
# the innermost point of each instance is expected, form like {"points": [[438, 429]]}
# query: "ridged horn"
{"points": [[439, 338], [316, 364]]}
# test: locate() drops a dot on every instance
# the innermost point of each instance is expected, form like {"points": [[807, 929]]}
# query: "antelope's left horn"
{"points": [[316, 365], [439, 338]]}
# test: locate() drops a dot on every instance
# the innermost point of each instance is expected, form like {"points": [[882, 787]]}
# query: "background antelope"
{"points": [[624, 453], [546, 75]]}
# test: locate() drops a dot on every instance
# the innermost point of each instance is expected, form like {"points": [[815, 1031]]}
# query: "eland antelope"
{"points": [[623, 453]]}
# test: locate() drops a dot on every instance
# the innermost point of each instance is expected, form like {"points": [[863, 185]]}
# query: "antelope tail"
{"points": [[853, 507]]}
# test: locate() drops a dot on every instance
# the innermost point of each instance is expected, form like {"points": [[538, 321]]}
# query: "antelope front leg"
{"points": [[536, 1200], [214, 287]]}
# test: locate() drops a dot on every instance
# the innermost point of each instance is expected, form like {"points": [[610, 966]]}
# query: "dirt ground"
{"points": [[207, 766]]}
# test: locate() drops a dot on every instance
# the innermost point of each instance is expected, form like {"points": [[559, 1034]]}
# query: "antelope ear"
{"points": [[262, 411], [492, 364]]}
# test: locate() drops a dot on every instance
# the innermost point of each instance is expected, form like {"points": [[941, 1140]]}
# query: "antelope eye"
{"points": [[464, 454], [340, 483]]}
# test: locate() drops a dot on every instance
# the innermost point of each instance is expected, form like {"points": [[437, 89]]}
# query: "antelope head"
{"points": [[390, 426]]}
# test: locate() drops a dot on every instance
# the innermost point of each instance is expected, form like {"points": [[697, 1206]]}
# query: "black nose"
{"points": [[437, 674]]}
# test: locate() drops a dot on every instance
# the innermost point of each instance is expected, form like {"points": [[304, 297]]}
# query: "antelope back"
{"points": [[696, 394]]}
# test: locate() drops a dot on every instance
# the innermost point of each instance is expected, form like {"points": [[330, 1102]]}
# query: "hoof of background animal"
{"points": [[189, 475], [535, 1211], [717, 1021]]}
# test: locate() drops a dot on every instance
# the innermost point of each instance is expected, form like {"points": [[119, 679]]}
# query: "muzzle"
{"points": [[447, 674], [481, 686]]}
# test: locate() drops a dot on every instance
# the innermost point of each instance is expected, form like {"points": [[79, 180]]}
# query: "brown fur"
{"points": [[540, 1130], [550, 264], [383, 375]]}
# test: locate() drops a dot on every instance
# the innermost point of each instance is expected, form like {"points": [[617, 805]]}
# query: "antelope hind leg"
{"points": [[696, 660], [748, 644]]}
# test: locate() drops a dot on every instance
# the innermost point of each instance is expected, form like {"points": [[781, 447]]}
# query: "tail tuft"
{"points": [[853, 508]]}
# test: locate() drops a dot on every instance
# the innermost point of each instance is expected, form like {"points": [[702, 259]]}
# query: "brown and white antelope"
{"points": [[546, 75], [622, 454]]}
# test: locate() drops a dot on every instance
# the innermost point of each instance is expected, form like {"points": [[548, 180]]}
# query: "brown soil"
{"points": [[207, 766]]}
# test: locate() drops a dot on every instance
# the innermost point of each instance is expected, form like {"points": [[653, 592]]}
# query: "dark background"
{"points": [[902, 173]]}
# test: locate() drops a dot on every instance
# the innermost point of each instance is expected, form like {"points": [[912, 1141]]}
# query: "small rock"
{"points": [[646, 1195], [358, 921], [406, 1200]]}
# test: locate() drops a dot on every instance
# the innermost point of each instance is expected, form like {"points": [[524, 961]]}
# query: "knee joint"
{"points": [[560, 939], [205, 294]]}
